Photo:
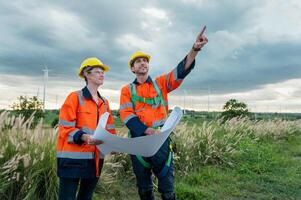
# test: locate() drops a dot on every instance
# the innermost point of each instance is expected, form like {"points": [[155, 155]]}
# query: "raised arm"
{"points": [[200, 41]]}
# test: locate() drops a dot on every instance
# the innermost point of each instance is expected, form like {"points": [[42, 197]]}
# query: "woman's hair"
{"points": [[88, 70]]}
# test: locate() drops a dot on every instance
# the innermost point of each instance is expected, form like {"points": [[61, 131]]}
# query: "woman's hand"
{"points": [[151, 131], [89, 140]]}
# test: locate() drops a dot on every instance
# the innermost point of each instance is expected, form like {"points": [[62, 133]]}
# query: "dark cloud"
{"points": [[30, 39], [255, 67]]}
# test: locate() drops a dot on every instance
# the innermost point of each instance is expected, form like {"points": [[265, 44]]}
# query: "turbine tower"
{"points": [[45, 70]]}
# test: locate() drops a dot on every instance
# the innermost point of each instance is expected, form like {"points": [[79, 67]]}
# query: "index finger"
{"points": [[203, 30]]}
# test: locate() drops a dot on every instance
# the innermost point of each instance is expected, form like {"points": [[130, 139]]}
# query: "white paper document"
{"points": [[144, 146]]}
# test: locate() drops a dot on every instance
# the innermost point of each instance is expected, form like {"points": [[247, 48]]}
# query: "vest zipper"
{"points": [[98, 106], [97, 119]]}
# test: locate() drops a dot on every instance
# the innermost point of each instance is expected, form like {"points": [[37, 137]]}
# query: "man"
{"points": [[144, 108], [79, 162]]}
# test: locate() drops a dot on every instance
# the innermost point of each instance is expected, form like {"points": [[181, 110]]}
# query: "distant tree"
{"points": [[26, 106], [233, 108]]}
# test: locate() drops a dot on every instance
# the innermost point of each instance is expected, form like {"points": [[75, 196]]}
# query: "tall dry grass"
{"points": [[27, 159], [28, 163], [216, 142]]}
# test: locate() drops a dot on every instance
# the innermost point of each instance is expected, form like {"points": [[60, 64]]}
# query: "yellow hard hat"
{"points": [[91, 62], [138, 54]]}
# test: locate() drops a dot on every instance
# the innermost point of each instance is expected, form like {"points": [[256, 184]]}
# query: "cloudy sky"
{"points": [[253, 53]]}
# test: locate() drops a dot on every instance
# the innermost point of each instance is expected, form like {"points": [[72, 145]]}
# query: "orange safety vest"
{"points": [[80, 113], [150, 115]]}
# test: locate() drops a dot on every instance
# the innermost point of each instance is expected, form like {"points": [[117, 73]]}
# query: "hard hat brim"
{"points": [[105, 68], [142, 55]]}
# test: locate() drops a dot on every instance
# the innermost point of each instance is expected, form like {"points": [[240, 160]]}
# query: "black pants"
{"points": [[144, 175], [68, 188]]}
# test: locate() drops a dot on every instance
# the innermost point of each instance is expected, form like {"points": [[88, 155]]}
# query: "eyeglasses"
{"points": [[99, 71]]}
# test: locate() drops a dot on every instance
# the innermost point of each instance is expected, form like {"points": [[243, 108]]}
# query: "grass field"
{"points": [[262, 170], [240, 159]]}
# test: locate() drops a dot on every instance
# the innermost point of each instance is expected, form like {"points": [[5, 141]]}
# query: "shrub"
{"points": [[234, 108]]}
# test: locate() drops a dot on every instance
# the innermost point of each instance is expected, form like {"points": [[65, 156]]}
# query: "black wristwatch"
{"points": [[196, 49]]}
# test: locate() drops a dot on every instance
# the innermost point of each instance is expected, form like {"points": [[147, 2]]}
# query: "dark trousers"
{"points": [[68, 185], [68, 188], [144, 175]]}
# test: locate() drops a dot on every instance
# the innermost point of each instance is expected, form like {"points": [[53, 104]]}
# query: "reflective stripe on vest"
{"points": [[80, 97], [71, 135], [126, 105], [75, 155], [129, 117], [66, 123]]}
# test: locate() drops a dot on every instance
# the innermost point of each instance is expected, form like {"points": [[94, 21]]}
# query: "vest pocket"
{"points": [[83, 116], [73, 163], [146, 116]]}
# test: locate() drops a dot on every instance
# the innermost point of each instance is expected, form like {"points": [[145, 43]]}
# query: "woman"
{"points": [[79, 162]]}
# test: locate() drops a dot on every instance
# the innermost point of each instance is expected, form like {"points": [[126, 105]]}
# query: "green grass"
{"points": [[240, 159], [50, 116], [263, 170]]}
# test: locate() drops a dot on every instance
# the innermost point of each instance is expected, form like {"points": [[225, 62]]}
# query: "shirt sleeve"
{"points": [[67, 121], [174, 78]]}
